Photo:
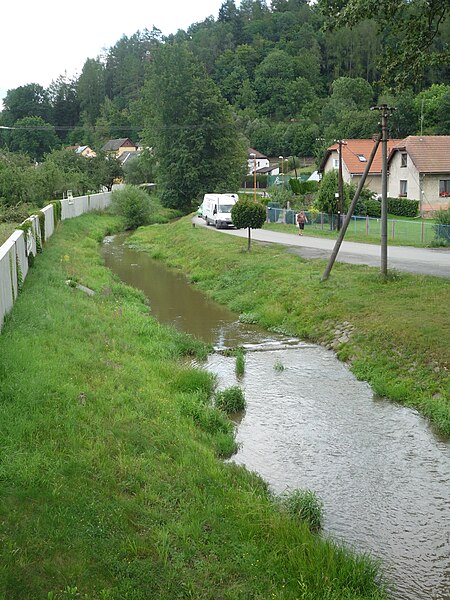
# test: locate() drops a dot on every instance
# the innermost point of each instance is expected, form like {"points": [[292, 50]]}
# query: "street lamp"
{"points": [[253, 155], [282, 171]]}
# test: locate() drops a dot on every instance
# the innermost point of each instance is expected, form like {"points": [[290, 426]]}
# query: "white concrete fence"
{"points": [[15, 251]]}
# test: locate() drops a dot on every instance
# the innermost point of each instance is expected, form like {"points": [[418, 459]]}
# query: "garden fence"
{"points": [[419, 231]]}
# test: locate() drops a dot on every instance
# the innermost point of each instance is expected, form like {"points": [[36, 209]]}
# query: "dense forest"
{"points": [[287, 79]]}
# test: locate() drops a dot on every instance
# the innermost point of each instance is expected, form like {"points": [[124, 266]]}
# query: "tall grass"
{"points": [[400, 327], [111, 483]]}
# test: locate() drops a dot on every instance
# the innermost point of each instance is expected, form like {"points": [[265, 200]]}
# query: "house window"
{"points": [[403, 188], [404, 162], [444, 187], [336, 163], [361, 158]]}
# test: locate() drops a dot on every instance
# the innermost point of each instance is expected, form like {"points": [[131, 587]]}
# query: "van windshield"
{"points": [[225, 208]]}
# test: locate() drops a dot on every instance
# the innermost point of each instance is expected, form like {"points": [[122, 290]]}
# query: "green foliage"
{"points": [[442, 227], [141, 169], [191, 129], [409, 28], [305, 506], [56, 210], [248, 214], [41, 217], [326, 200], [230, 400], [240, 362], [373, 208], [34, 137], [403, 207], [133, 204], [303, 187]]}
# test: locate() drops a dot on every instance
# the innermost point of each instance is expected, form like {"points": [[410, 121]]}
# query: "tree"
{"points": [[353, 89], [191, 128], [246, 213], [326, 200], [409, 30], [33, 136], [91, 89], [29, 100], [64, 103]]}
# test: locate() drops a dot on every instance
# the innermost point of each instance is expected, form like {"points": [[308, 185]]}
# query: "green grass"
{"points": [[6, 229], [400, 339], [402, 231], [306, 506], [231, 400], [111, 482]]}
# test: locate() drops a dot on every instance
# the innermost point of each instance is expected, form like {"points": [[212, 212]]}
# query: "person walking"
{"points": [[301, 220]]}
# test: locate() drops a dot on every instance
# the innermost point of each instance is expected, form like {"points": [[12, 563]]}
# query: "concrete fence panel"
{"points": [[49, 221]]}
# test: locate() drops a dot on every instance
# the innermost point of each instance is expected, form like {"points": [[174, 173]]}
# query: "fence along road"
{"points": [[421, 261]]}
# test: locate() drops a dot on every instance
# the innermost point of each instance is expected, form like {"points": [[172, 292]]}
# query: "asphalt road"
{"points": [[422, 261]]}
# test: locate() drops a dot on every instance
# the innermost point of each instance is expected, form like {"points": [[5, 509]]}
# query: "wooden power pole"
{"points": [[340, 186], [385, 111]]}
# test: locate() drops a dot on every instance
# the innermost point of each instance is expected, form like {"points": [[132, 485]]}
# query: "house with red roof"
{"points": [[419, 169], [355, 154]]}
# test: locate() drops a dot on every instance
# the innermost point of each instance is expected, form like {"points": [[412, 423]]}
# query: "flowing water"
{"points": [[383, 475]]}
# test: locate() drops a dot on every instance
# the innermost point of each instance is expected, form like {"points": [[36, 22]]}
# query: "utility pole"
{"points": [[351, 208], [385, 111], [340, 186]]}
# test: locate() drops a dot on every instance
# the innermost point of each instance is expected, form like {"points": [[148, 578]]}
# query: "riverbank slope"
{"points": [[394, 333], [111, 479]]}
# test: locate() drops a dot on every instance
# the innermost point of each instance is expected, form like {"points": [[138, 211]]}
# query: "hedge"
{"points": [[303, 187], [403, 207]]}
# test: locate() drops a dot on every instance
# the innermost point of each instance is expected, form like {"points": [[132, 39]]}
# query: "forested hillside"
{"points": [[291, 80]]}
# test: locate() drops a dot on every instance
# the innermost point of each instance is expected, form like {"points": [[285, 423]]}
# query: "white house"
{"points": [[419, 169], [260, 163]]}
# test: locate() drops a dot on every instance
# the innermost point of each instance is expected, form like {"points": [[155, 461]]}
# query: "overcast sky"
{"points": [[40, 40]]}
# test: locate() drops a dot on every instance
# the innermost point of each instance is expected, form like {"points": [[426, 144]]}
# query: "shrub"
{"points": [[230, 400], [373, 208], [303, 187], [133, 204], [306, 506], [403, 207], [442, 226], [246, 213]]}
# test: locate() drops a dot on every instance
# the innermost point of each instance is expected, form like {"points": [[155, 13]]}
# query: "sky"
{"points": [[41, 40]]}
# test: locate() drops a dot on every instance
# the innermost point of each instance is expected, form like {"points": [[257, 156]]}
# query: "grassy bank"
{"points": [[395, 333], [111, 483]]}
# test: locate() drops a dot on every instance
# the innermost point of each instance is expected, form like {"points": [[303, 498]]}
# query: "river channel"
{"points": [[381, 471]]}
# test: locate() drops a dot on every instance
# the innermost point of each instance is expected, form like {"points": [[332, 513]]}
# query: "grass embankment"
{"points": [[398, 329], [111, 483]]}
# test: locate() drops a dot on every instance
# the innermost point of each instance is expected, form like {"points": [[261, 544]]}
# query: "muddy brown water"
{"points": [[381, 471]]}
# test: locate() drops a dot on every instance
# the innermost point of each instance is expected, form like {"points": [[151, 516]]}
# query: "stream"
{"points": [[380, 470]]}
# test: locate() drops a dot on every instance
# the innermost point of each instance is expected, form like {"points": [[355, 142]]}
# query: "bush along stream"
{"points": [[393, 333], [112, 478]]}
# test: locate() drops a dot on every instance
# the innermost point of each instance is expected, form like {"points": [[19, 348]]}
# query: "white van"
{"points": [[217, 209]]}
